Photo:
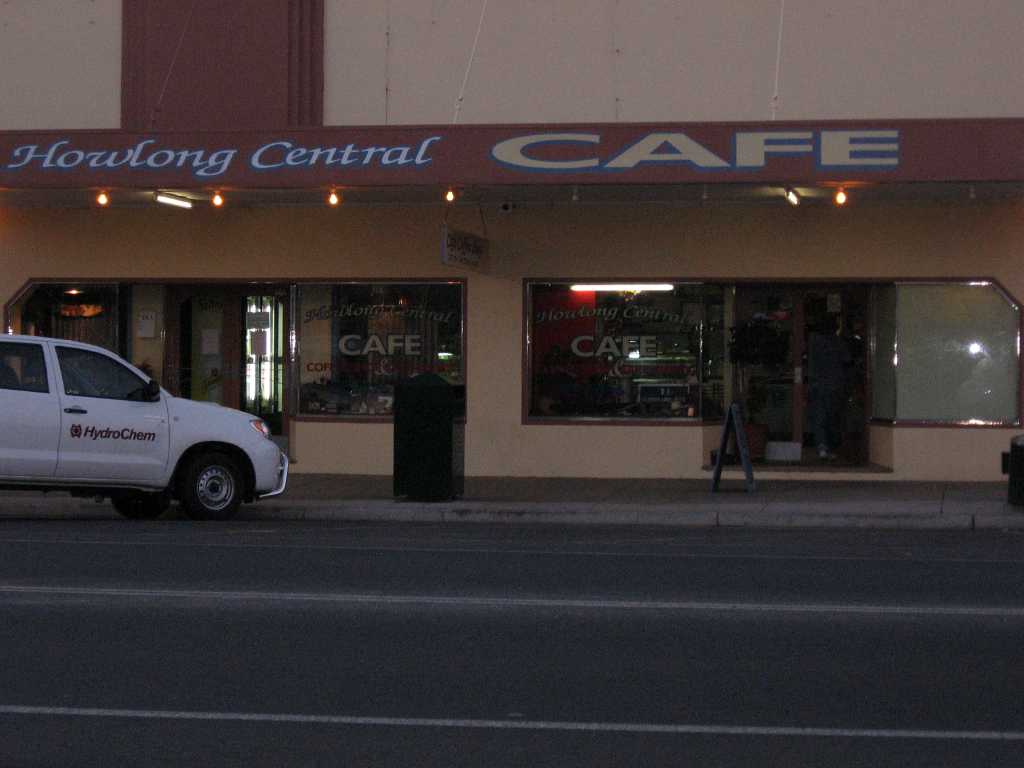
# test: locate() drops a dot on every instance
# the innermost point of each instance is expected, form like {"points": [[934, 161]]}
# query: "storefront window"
{"points": [[73, 311], [625, 352], [357, 340], [953, 350]]}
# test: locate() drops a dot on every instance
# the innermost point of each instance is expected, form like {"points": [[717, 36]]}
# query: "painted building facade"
{"points": [[601, 146]]}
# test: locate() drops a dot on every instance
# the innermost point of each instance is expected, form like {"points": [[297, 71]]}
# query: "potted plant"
{"points": [[759, 341]]}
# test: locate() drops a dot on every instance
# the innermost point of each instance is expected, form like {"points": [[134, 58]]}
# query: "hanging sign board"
{"points": [[462, 249]]}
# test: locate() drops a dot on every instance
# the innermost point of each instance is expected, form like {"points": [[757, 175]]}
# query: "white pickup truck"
{"points": [[74, 417]]}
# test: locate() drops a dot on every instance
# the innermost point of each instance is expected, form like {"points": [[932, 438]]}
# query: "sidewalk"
{"points": [[776, 504]]}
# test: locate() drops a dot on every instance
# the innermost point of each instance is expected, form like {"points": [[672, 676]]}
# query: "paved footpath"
{"points": [[687, 503]]}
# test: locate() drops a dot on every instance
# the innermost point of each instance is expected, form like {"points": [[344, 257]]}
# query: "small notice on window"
{"points": [[146, 324], [256, 320], [210, 341]]}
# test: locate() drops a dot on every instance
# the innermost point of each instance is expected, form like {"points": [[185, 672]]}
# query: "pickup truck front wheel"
{"points": [[212, 487], [139, 505]]}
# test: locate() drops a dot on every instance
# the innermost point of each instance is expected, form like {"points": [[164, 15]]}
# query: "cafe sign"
{"points": [[619, 153]]}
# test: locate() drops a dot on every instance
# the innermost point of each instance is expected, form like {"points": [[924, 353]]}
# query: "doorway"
{"points": [[226, 345], [778, 324]]}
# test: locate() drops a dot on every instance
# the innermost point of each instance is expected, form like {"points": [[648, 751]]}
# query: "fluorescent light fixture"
{"points": [[176, 200], [73, 291], [622, 287], [792, 197]]}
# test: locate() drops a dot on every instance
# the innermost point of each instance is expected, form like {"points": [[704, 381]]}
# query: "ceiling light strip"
{"points": [[175, 200], [622, 287]]}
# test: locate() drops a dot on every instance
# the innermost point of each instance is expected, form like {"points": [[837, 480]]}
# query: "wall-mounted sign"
{"points": [[619, 153], [462, 248]]}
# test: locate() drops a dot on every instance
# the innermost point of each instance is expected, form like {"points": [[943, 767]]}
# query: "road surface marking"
{"points": [[345, 598], [519, 725], [484, 549]]}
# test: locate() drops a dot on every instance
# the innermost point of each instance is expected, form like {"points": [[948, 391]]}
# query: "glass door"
{"points": [[762, 353], [202, 349], [264, 354], [202, 366], [798, 354], [835, 331]]}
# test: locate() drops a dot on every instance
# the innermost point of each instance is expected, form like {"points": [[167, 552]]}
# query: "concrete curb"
{"points": [[749, 514], [719, 512], [796, 519], [1006, 521]]}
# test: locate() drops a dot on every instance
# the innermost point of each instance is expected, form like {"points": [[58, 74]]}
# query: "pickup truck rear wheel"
{"points": [[139, 505], [212, 487]]}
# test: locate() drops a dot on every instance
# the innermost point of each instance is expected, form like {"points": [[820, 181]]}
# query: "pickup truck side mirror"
{"points": [[151, 392]]}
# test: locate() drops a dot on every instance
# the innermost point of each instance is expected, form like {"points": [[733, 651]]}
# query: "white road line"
{"points": [[345, 598], [518, 725], [485, 550]]}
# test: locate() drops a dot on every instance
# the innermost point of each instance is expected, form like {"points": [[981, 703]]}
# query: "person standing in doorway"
{"points": [[828, 365]]}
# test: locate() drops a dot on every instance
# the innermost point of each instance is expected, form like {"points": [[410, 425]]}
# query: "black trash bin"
{"points": [[1015, 469], [429, 439]]}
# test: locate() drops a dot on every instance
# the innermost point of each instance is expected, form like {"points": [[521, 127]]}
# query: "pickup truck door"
{"points": [[109, 432], [29, 412]]}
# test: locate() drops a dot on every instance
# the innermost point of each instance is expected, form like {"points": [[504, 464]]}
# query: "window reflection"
{"points": [[77, 312], [625, 353], [357, 340], [958, 355]]}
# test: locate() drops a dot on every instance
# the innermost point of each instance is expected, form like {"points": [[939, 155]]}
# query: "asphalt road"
{"points": [[308, 644]]}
